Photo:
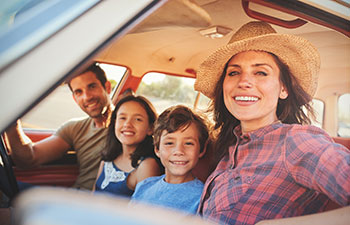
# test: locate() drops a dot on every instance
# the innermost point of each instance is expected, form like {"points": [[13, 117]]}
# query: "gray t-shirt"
{"points": [[87, 141], [184, 197]]}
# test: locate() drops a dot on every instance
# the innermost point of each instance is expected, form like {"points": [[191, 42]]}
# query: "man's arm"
{"points": [[339, 216], [27, 154]]}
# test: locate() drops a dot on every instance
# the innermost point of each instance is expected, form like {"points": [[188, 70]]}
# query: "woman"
{"points": [[129, 155], [272, 164]]}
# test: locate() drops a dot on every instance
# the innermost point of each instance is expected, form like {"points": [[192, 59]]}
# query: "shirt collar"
{"points": [[237, 131]]}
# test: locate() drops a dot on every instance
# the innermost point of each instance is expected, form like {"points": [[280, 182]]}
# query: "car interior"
{"points": [[156, 48]]}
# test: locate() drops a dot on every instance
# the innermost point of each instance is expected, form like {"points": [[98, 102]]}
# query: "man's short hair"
{"points": [[95, 69]]}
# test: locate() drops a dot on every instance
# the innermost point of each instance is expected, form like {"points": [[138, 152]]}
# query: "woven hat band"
{"points": [[252, 29]]}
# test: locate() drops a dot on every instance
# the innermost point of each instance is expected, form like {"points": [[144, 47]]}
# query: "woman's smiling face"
{"points": [[251, 89]]}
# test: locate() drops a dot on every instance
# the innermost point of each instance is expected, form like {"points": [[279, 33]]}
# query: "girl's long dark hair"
{"points": [[114, 147], [289, 110]]}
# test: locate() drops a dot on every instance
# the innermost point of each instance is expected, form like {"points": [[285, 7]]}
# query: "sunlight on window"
{"points": [[318, 106], [114, 74], [153, 78], [164, 91], [344, 115]]}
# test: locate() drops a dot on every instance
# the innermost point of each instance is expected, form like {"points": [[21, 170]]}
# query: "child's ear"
{"points": [[156, 150], [201, 154], [150, 131]]}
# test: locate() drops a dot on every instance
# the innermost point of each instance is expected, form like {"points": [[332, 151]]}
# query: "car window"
{"points": [[55, 41], [59, 106], [318, 106], [26, 23], [344, 115], [166, 90]]}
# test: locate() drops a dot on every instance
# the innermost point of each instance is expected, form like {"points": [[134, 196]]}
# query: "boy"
{"points": [[180, 138]]}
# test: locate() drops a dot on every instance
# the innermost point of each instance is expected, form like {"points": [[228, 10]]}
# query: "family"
{"points": [[272, 166]]}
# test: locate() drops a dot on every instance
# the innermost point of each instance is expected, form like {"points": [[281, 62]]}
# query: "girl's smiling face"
{"points": [[132, 124], [251, 89]]}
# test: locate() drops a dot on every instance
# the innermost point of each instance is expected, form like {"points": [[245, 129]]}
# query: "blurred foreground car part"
{"points": [[58, 206]]}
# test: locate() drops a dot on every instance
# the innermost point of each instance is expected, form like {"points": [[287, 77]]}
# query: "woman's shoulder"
{"points": [[307, 138], [294, 130]]}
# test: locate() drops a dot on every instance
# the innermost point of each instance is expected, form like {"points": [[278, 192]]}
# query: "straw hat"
{"points": [[297, 53]]}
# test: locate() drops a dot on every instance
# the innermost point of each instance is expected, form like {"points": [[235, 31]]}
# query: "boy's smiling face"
{"points": [[179, 153]]}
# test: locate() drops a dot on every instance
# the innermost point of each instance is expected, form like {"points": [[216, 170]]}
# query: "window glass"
{"points": [[59, 106], [166, 90], [26, 23], [318, 106], [344, 115], [114, 74]]}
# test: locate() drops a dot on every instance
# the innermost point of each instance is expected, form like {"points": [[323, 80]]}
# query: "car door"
{"points": [[43, 43]]}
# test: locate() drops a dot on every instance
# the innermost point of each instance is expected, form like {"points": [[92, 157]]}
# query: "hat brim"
{"points": [[297, 53]]}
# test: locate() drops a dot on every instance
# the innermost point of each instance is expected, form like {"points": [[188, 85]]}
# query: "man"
{"points": [[90, 91]]}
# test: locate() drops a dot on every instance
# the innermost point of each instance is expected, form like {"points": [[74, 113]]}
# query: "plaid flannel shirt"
{"points": [[277, 171]]}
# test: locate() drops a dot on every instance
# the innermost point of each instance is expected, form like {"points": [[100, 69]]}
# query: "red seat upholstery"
{"points": [[342, 140]]}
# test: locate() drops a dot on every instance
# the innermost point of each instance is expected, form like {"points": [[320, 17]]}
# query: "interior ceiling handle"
{"points": [[273, 20]]}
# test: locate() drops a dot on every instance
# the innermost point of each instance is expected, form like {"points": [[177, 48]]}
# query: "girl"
{"points": [[129, 156], [272, 164]]}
